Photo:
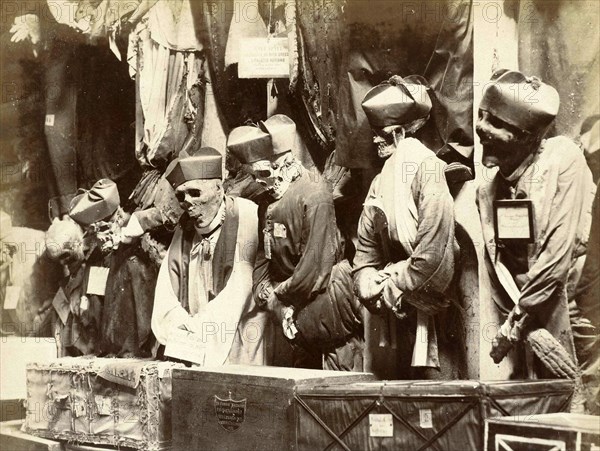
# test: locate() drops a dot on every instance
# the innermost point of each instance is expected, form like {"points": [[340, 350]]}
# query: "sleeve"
{"points": [[554, 260], [167, 312], [218, 321], [369, 250], [431, 264], [320, 248], [261, 281], [370, 256]]}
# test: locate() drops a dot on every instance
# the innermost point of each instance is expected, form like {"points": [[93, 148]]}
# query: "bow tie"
{"points": [[205, 244]]}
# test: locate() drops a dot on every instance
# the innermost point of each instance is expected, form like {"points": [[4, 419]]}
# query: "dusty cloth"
{"points": [[305, 268], [79, 335], [587, 302], [88, 134], [127, 308], [227, 301], [423, 267], [382, 38], [559, 184]]}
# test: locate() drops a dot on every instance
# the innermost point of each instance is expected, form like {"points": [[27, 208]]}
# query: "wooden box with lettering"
{"points": [[417, 415], [547, 432], [243, 407], [116, 402]]}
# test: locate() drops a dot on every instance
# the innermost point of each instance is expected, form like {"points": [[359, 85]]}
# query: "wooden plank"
{"points": [[11, 438]]}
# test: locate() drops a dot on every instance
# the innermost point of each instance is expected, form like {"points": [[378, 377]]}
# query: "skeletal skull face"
{"points": [[504, 145], [201, 199], [276, 175], [64, 244], [107, 233], [385, 140]]}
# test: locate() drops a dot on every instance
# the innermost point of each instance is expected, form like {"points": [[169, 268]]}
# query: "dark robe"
{"points": [[303, 269]]}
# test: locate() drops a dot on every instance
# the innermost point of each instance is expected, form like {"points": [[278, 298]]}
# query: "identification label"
{"points": [[513, 220], [381, 425], [264, 58], [97, 280], [11, 299], [425, 419], [185, 345]]}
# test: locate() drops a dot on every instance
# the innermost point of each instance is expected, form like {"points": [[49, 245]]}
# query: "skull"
{"points": [[276, 175], [201, 199], [385, 139], [64, 243], [108, 233], [504, 145]]}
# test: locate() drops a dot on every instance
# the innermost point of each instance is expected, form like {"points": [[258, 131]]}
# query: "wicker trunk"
{"points": [[117, 402]]}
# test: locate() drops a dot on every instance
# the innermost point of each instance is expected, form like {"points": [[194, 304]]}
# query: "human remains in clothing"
{"points": [[204, 289], [300, 276], [105, 299], [406, 251], [535, 216]]}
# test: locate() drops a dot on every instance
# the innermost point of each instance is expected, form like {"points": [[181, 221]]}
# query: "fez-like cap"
{"points": [[249, 144], [283, 132], [397, 101], [524, 102], [98, 203], [203, 164], [272, 137]]}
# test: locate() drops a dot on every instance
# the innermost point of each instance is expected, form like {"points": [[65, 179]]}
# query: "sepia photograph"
{"points": [[300, 225]]}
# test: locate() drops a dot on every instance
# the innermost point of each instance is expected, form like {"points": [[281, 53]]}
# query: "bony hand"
{"points": [[26, 27], [288, 323], [509, 333], [368, 287], [275, 306]]}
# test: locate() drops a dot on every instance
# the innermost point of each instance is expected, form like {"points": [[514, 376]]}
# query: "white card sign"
{"points": [[381, 425], [11, 299], [513, 219], [97, 280], [185, 345], [425, 419], [264, 58]]}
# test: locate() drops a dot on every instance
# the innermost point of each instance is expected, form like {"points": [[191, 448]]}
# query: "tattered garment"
{"points": [[418, 249], [559, 184]]}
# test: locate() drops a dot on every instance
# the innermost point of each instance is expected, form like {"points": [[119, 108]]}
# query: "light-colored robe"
{"points": [[559, 184], [231, 325], [412, 180]]}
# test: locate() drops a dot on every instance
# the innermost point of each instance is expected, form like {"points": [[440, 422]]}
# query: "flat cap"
{"points": [[98, 203], [249, 144], [205, 163], [524, 102], [397, 101]]}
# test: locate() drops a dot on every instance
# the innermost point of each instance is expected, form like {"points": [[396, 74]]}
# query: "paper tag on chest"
{"points": [[279, 230], [513, 220], [11, 299], [185, 345], [97, 280], [381, 425], [61, 305]]}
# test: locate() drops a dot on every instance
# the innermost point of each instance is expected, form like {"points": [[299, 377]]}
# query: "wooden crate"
{"points": [[547, 432], [242, 407], [417, 415]]}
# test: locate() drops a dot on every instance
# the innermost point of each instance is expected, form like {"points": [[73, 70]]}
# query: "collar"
{"points": [[517, 173], [217, 222]]}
